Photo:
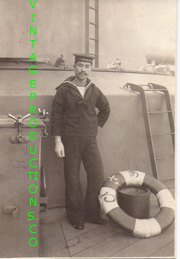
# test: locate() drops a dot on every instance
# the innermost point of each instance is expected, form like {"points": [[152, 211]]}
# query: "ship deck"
{"points": [[59, 239]]}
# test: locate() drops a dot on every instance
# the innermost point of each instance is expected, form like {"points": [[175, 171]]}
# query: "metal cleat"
{"points": [[19, 138]]}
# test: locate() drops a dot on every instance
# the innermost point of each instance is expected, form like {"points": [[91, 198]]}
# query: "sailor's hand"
{"points": [[59, 147]]}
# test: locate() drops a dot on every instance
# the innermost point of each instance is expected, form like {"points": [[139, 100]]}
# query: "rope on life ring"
{"points": [[138, 227]]}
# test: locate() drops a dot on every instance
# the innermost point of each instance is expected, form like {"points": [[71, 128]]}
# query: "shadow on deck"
{"points": [[59, 239]]}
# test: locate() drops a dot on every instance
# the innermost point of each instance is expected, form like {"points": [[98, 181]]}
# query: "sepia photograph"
{"points": [[88, 105]]}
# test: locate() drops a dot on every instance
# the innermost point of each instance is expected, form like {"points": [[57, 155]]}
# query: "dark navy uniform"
{"points": [[76, 118]]}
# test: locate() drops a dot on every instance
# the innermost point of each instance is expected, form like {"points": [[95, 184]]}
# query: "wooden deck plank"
{"points": [[91, 238], [52, 215], [167, 250], [72, 233], [59, 239], [108, 246], [52, 241], [148, 246]]}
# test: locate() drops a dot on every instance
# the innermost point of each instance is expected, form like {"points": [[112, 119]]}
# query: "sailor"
{"points": [[78, 108]]}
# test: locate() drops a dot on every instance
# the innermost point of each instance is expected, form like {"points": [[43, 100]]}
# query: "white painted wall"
{"points": [[129, 29], [60, 28]]}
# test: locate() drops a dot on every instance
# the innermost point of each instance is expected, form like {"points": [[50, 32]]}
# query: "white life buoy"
{"points": [[139, 227]]}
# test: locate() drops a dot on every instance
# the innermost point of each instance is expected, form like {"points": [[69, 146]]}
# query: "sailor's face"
{"points": [[82, 69]]}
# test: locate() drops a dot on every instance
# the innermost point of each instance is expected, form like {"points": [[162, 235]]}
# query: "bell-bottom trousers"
{"points": [[83, 149]]}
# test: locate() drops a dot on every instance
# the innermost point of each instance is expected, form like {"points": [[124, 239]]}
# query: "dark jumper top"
{"points": [[75, 116]]}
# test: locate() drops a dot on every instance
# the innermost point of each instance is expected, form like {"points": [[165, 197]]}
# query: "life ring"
{"points": [[138, 227]]}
